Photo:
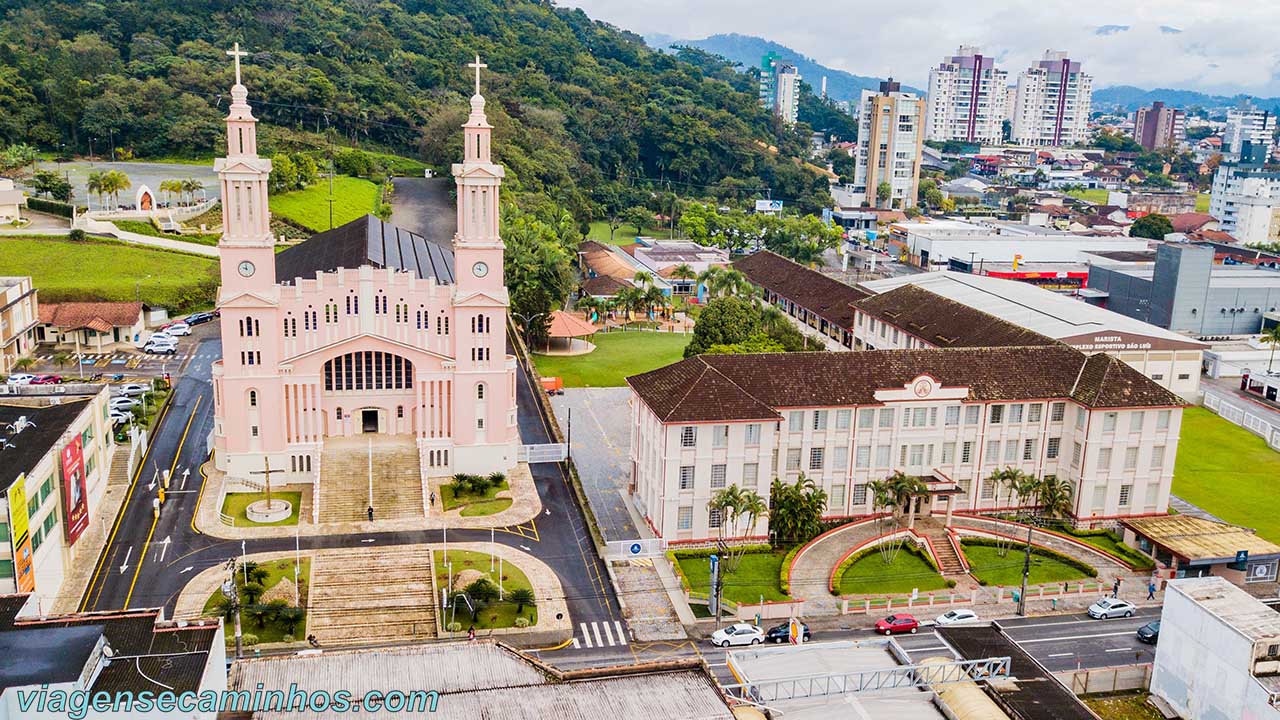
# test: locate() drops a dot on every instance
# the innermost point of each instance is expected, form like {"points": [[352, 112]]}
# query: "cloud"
{"points": [[1218, 47], [1111, 29]]}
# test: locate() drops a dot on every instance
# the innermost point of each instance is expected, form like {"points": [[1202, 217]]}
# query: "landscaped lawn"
{"points": [[469, 500], [1228, 471], [756, 575], [986, 564], [497, 614], [1108, 543], [309, 207], [618, 354], [1202, 202], [486, 507], [278, 571], [624, 235], [108, 270], [870, 575], [145, 228], [235, 505]]}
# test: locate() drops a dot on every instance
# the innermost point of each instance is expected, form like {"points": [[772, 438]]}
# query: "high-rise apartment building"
{"points": [[1248, 123], [890, 139], [1053, 102], [1159, 126], [779, 87], [966, 98]]}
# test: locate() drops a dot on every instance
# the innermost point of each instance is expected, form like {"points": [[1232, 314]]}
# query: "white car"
{"points": [[954, 617], [130, 389], [161, 336], [737, 634], [178, 328], [161, 347], [1111, 607], [21, 378], [123, 403], [119, 417]]}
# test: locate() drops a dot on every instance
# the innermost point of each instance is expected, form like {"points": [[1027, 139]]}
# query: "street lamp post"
{"points": [[525, 320]]}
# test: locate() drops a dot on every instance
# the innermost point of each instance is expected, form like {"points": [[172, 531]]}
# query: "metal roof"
{"points": [[1199, 539], [368, 241]]}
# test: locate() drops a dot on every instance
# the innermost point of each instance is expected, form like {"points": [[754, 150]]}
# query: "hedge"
{"points": [[784, 573], [1122, 551], [1083, 567], [53, 207], [675, 555]]}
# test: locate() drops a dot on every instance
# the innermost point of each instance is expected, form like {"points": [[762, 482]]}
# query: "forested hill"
{"points": [[583, 111]]}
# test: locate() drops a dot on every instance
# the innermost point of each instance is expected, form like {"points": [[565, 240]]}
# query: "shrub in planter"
{"points": [[951, 583], [522, 622], [249, 639], [287, 639], [454, 627]]}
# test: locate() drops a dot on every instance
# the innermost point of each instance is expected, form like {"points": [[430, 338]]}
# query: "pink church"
{"points": [[365, 329]]}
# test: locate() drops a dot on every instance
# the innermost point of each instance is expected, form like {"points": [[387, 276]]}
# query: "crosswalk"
{"points": [[601, 634]]}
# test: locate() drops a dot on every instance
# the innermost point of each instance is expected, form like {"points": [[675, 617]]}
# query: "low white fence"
{"points": [[1107, 680], [1237, 411]]}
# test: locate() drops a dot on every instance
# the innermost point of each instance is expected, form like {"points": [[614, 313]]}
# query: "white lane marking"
{"points": [[1074, 637], [1061, 654], [622, 636], [576, 644], [1013, 628], [186, 569], [586, 635], [596, 628], [1124, 649], [608, 633]]}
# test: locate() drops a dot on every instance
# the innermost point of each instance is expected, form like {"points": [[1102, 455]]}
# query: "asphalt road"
{"points": [[147, 561], [1061, 642]]}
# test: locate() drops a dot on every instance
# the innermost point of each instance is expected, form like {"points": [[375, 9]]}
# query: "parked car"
{"points": [[177, 328], [162, 335], [1110, 608], [737, 634], [158, 346], [122, 402], [954, 617], [897, 623], [46, 380], [21, 379], [119, 416], [200, 318], [782, 633], [1150, 633], [130, 389]]}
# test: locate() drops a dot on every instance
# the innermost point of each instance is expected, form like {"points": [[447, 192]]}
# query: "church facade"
{"points": [[365, 329]]}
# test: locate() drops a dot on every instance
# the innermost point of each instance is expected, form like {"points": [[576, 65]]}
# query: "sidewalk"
{"points": [[88, 547]]}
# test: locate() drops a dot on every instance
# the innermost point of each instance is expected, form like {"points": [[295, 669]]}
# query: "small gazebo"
{"points": [[569, 328]]}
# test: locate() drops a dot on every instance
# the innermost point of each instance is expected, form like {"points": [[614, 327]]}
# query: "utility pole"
{"points": [[331, 199], [1026, 572], [233, 595]]}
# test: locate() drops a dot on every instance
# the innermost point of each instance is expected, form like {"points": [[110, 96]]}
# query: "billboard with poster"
{"points": [[75, 503], [20, 536]]}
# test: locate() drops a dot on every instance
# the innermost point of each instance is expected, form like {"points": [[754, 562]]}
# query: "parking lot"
{"points": [[130, 363]]}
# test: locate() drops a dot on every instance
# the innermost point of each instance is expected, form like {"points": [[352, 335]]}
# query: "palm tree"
{"points": [[61, 358], [710, 278], [655, 298], [643, 278], [772, 318], [683, 272], [588, 305], [191, 186], [1055, 496], [522, 597], [629, 299], [882, 499], [905, 489], [1272, 338], [97, 185]]}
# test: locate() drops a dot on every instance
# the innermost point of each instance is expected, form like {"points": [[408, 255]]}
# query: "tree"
{"points": [[61, 358], [224, 607], [683, 271], [522, 597], [905, 489], [1271, 336], [735, 506], [795, 509], [24, 364], [638, 217], [1055, 496], [724, 321], [253, 571], [51, 184], [284, 174], [883, 192], [252, 591], [289, 617], [883, 498], [481, 592], [1154, 226], [758, 343], [15, 158]]}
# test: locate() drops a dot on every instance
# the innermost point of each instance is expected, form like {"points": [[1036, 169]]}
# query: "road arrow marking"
{"points": [[164, 547], [368, 540], [185, 474], [186, 569], [125, 565], [526, 548]]}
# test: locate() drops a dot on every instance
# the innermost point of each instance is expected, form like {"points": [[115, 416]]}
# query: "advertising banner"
{"points": [[20, 536], [75, 503]]}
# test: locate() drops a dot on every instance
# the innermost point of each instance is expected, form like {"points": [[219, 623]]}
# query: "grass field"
{"points": [[1202, 202], [757, 574], [1123, 706], [108, 270], [986, 564], [476, 502], [624, 235], [617, 355], [1228, 471], [235, 505], [146, 228], [869, 575], [497, 614], [1098, 196], [310, 207]]}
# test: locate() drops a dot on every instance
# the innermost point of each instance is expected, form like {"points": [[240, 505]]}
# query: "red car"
{"points": [[47, 380], [900, 623]]}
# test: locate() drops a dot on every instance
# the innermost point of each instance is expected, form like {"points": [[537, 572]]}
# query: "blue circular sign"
{"points": [[635, 548]]}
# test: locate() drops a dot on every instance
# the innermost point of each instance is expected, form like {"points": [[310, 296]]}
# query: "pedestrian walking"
{"points": [[369, 512], [1115, 589], [433, 498], [1151, 590], [471, 633]]}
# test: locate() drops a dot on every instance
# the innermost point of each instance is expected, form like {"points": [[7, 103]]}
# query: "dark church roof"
{"points": [[368, 241]]}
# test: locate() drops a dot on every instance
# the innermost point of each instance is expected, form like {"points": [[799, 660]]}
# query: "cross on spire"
{"points": [[237, 53], [477, 65]]}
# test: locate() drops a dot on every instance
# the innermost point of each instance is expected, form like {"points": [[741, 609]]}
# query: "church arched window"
{"points": [[253, 398], [479, 391]]}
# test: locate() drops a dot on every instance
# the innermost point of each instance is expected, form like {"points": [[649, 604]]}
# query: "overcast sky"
{"points": [[1209, 45]]}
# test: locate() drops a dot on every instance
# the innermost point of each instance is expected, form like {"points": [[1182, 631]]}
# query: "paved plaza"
{"points": [[598, 421]]}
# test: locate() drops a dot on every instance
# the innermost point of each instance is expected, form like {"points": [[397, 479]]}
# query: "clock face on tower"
{"points": [[246, 268], [480, 269]]}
